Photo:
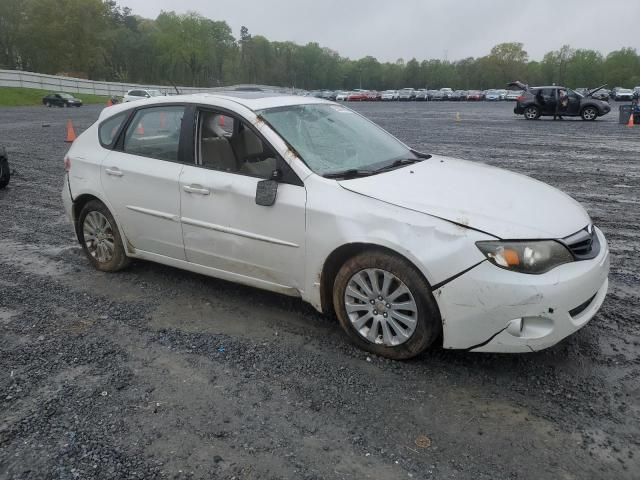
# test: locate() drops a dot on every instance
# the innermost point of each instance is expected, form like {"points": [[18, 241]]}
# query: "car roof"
{"points": [[252, 100]]}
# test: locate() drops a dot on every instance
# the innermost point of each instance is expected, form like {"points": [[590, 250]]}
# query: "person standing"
{"points": [[562, 102]]}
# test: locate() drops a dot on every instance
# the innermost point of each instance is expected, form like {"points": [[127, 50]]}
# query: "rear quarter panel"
{"points": [[86, 156]]}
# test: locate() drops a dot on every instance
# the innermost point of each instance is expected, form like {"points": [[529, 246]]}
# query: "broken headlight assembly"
{"points": [[529, 256]]}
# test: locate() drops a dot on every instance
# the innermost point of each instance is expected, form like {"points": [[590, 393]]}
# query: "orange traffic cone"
{"points": [[630, 122], [109, 103], [140, 129], [71, 133]]}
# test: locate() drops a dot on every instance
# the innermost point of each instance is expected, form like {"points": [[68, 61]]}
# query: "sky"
{"points": [[423, 29]]}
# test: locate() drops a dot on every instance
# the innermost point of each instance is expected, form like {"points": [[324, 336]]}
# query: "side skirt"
{"points": [[216, 273]]}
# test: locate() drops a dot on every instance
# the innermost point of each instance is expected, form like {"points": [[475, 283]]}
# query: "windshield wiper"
{"points": [[349, 173], [398, 163]]}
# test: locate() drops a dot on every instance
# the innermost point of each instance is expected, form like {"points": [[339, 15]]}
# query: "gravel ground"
{"points": [[158, 373]]}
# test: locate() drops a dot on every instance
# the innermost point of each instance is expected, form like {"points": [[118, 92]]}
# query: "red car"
{"points": [[357, 97], [475, 95]]}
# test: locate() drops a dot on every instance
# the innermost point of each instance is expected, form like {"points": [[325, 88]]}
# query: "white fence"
{"points": [[17, 78]]}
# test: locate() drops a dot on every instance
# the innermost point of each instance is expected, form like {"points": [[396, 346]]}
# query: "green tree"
{"points": [[12, 18], [622, 68]]}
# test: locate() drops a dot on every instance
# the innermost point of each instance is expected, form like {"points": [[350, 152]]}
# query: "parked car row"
{"points": [[413, 94], [619, 94], [448, 94]]}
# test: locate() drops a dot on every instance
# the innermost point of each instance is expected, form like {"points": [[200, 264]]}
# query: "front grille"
{"points": [[583, 244]]}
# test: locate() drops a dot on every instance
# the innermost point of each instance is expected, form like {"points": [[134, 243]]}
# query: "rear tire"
{"points": [[5, 172], [381, 321], [100, 238], [531, 112], [589, 114]]}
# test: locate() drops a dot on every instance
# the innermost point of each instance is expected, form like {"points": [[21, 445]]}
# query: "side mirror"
{"points": [[267, 190]]}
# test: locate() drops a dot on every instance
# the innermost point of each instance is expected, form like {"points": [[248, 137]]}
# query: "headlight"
{"points": [[526, 256]]}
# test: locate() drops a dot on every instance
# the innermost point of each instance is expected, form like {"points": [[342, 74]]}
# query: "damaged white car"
{"points": [[305, 197]]}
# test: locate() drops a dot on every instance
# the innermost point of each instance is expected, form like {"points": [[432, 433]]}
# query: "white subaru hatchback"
{"points": [[305, 197]]}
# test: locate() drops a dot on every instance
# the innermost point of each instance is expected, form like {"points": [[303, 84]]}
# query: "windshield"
{"points": [[154, 93], [66, 95], [332, 138]]}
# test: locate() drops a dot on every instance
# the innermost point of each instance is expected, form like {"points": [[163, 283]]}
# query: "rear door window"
{"points": [[155, 132]]}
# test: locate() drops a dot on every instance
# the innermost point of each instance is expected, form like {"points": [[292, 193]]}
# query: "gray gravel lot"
{"points": [[158, 373]]}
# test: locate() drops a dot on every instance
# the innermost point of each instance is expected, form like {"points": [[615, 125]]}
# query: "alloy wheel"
{"points": [[381, 307], [98, 237]]}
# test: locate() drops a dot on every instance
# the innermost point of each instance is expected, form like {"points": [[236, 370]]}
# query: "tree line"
{"points": [[101, 40]]}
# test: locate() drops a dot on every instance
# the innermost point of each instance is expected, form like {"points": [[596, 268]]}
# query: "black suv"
{"points": [[558, 101]]}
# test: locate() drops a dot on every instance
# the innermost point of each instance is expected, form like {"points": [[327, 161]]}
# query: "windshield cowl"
{"points": [[354, 173]]}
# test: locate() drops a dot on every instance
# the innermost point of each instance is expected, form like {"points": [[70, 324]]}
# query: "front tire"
{"points": [[589, 114], [5, 172], [385, 306], [100, 238], [532, 112]]}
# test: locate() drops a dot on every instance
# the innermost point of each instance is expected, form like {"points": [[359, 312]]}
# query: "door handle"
{"points": [[196, 189], [113, 171]]}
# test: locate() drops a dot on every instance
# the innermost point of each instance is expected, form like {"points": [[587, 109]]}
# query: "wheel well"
{"points": [[78, 205], [337, 258]]}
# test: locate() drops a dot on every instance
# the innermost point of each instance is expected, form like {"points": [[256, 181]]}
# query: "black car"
{"points": [[5, 173], [558, 101], [61, 100]]}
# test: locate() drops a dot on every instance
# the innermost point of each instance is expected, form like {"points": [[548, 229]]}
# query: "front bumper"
{"points": [[489, 309]]}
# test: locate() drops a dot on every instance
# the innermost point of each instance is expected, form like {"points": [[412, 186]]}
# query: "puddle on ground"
{"points": [[6, 315], [37, 260], [234, 318]]}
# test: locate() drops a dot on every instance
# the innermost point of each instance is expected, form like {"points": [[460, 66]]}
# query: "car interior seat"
{"points": [[215, 149], [250, 151]]}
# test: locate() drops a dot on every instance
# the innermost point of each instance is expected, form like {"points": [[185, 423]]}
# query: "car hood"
{"points": [[499, 202]]}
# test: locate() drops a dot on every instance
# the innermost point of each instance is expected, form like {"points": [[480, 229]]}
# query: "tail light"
{"points": [[67, 164], [520, 98]]}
